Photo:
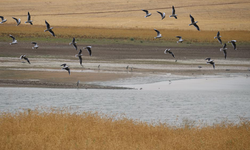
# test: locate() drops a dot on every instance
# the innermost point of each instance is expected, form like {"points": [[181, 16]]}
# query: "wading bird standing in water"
{"points": [[194, 23]]}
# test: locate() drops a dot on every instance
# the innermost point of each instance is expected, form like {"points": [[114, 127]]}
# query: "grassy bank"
{"points": [[59, 129]]}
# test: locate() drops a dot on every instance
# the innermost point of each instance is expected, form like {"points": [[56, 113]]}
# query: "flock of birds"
{"points": [[194, 23], [79, 55]]}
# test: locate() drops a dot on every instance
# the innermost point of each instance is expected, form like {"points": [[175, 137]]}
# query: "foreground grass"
{"points": [[55, 129]]}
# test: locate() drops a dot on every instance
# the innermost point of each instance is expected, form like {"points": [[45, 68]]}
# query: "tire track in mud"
{"points": [[135, 10]]}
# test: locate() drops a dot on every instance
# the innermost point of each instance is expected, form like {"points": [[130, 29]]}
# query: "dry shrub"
{"points": [[60, 129]]}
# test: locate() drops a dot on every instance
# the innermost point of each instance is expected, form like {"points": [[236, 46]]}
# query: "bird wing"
{"points": [[172, 53], [225, 45], [26, 59], [80, 58], [28, 17], [173, 10], [2, 17], [15, 19], [219, 39], [52, 33], [75, 46], [89, 50], [47, 24], [63, 65], [218, 33], [197, 27], [213, 65], [208, 59], [225, 53], [192, 19], [178, 37], [160, 13], [80, 52], [146, 11], [73, 40], [12, 37], [234, 45], [33, 43], [158, 32]]}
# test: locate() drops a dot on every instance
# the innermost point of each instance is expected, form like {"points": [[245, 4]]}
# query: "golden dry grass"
{"points": [[212, 15], [108, 33], [58, 129]]}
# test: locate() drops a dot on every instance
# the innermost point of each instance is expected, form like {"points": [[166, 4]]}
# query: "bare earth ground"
{"points": [[45, 69]]}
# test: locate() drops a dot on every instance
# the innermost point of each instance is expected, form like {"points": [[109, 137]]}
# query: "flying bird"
{"points": [[233, 42], [14, 41], [65, 67], [194, 23], [73, 43], [79, 55], [18, 21], [89, 50], [3, 20], [158, 34], [218, 37], [173, 13], [49, 28], [224, 50], [147, 14], [168, 51], [210, 61], [180, 39], [35, 45], [25, 58], [162, 15], [28, 19]]}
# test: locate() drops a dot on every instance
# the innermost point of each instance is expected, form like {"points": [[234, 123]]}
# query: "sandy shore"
{"points": [[142, 61]]}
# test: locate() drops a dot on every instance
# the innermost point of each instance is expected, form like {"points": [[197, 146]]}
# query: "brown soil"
{"points": [[45, 69]]}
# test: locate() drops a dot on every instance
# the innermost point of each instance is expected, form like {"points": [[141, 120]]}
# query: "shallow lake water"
{"points": [[210, 100]]}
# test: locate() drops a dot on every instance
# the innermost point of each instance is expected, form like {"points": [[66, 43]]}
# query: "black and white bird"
{"points": [[14, 41], [224, 50], [28, 19], [194, 23], [168, 51], [89, 50], [147, 13], [65, 67], [162, 15], [79, 55], [218, 37], [3, 20], [180, 39], [18, 21], [25, 58], [158, 34], [35, 45], [73, 43], [173, 13], [49, 28], [210, 61], [233, 42]]}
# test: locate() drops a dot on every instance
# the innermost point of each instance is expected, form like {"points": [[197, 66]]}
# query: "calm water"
{"points": [[210, 100]]}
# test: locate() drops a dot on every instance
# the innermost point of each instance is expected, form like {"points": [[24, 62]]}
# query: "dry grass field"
{"points": [[57, 129], [124, 19]]}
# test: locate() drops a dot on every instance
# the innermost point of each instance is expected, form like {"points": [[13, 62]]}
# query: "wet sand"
{"points": [[142, 61]]}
